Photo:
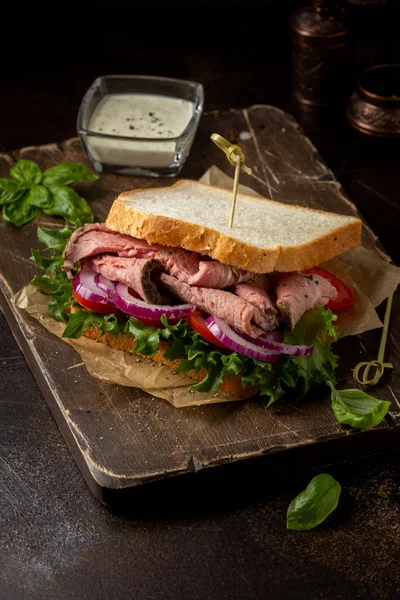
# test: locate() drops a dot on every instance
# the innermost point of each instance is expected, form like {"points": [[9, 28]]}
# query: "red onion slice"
{"points": [[84, 285], [273, 341], [292, 349], [143, 310], [235, 342], [104, 284], [273, 336]]}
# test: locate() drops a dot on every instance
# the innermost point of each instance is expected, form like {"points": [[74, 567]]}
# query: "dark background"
{"points": [[240, 51], [220, 534]]}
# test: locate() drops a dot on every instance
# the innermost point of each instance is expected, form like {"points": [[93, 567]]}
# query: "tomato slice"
{"points": [[105, 309], [344, 295], [197, 322]]}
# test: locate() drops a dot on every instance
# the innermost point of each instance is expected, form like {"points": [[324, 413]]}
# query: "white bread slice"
{"points": [[266, 235]]}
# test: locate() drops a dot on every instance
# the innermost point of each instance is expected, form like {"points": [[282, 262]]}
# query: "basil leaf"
{"points": [[20, 212], [67, 172], [26, 172], [40, 196], [10, 191], [314, 504], [68, 204], [356, 408], [55, 239]]}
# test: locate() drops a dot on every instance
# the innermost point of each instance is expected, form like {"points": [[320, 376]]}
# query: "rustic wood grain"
{"points": [[122, 437]]}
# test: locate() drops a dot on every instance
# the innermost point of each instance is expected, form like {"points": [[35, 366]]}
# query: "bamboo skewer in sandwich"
{"points": [[235, 157]]}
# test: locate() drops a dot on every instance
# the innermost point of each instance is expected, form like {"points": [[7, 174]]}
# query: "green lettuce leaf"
{"points": [[82, 320], [55, 239], [316, 327], [147, 338], [55, 282]]}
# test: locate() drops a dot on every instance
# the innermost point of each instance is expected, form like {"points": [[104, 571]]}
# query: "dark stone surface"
{"points": [[218, 534]]}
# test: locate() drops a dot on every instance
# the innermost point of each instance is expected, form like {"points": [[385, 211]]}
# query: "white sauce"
{"points": [[138, 115]]}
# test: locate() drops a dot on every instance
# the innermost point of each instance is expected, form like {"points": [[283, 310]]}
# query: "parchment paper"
{"points": [[371, 279], [115, 366]]}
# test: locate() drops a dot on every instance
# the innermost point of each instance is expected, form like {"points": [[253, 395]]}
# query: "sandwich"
{"points": [[245, 310]]}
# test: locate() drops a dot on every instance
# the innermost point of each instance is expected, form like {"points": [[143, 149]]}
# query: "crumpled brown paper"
{"points": [[371, 278], [115, 366]]}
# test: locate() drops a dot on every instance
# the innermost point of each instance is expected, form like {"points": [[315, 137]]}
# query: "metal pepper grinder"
{"points": [[321, 55]]}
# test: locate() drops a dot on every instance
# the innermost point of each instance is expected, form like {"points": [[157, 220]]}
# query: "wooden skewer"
{"points": [[379, 363], [234, 191], [236, 157]]}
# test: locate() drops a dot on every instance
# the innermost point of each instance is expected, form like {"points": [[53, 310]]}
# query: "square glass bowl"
{"points": [[140, 125]]}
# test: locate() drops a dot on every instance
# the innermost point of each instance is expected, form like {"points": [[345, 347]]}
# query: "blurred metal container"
{"points": [[374, 107], [321, 55]]}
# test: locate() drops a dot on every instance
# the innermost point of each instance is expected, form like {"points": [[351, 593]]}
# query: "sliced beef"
{"points": [[188, 266], [134, 272], [213, 274], [298, 292], [236, 312], [247, 305], [180, 263], [256, 292], [96, 238]]}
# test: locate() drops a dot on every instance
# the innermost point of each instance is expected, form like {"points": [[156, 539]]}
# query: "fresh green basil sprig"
{"points": [[314, 504], [29, 190]]}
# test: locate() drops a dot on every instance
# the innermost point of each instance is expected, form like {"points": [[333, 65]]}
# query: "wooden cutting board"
{"points": [[121, 437]]}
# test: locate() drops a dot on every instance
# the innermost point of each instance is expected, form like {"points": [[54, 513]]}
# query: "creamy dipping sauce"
{"points": [[141, 115], [138, 115]]}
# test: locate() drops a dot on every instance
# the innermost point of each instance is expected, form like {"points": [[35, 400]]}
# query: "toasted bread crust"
{"points": [[231, 384], [169, 231]]}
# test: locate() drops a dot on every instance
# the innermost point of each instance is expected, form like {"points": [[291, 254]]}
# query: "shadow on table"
{"points": [[253, 482]]}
